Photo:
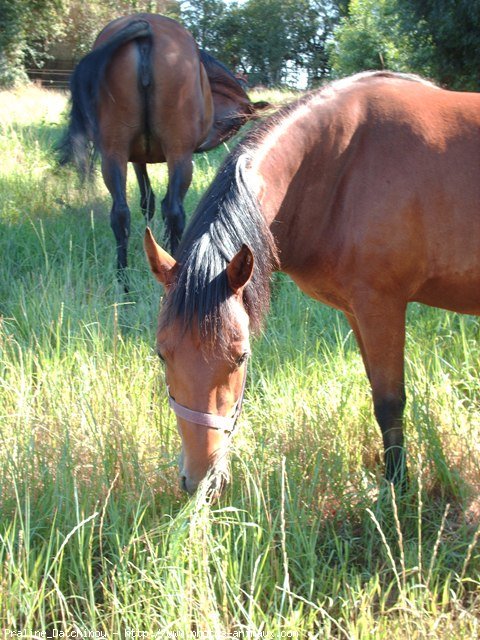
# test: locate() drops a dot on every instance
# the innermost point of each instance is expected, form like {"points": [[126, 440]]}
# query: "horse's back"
{"points": [[172, 111]]}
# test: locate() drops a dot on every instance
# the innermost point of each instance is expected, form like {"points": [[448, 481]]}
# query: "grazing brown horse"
{"points": [[367, 193], [146, 94]]}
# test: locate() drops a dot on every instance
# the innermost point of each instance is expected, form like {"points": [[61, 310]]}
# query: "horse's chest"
{"points": [[321, 285]]}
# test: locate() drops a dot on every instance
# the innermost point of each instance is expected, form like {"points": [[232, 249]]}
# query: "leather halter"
{"points": [[210, 420]]}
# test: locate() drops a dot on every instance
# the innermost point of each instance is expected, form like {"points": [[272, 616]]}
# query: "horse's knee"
{"points": [[120, 222]]}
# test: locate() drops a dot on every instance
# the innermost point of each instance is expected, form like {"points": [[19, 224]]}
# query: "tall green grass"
{"points": [[95, 536]]}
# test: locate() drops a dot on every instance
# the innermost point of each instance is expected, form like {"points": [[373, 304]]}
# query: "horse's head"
{"points": [[232, 106], [231, 113], [205, 373]]}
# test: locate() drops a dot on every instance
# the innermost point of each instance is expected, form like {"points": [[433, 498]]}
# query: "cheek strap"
{"points": [[210, 420]]}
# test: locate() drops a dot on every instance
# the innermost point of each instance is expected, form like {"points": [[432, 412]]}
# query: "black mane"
{"points": [[218, 73], [227, 217]]}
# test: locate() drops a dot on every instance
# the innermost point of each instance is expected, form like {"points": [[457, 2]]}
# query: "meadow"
{"points": [[96, 538]]}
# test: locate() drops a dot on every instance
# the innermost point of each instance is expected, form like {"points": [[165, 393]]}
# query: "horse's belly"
{"points": [[455, 294]]}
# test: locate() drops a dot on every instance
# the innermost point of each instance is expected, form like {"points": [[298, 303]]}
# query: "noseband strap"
{"points": [[210, 420]]}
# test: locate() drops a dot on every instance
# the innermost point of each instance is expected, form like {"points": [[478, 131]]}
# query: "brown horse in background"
{"points": [[147, 94], [367, 193]]}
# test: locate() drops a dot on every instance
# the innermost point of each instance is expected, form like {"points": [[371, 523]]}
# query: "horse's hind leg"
{"points": [[380, 324], [147, 197], [179, 179], [115, 177]]}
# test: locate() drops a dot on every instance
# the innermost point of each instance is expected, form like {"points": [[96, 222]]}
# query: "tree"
{"points": [[370, 37], [82, 21], [204, 19], [270, 40], [26, 28], [452, 27], [329, 13], [30, 29], [436, 38]]}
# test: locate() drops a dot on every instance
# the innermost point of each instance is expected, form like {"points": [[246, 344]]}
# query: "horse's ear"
{"points": [[240, 269], [162, 264]]}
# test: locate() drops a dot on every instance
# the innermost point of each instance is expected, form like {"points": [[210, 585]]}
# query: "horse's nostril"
{"points": [[183, 483]]}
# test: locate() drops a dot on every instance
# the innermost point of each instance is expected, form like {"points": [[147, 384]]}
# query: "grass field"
{"points": [[96, 540]]}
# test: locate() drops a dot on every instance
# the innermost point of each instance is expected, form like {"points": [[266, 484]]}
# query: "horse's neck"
{"points": [[294, 174], [273, 174]]}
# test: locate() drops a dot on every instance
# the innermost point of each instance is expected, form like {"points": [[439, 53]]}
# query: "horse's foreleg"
{"points": [[179, 179], [352, 321], [380, 324], [147, 197], [115, 177]]}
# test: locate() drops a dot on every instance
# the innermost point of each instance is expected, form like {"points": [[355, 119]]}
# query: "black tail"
{"points": [[76, 146]]}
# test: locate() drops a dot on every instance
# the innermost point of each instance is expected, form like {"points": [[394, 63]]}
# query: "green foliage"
{"points": [[437, 39], [370, 38], [32, 31], [82, 21], [453, 29], [204, 18], [269, 40], [276, 36], [26, 29]]}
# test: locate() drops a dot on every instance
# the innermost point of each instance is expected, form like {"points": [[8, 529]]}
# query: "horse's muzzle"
{"points": [[213, 484]]}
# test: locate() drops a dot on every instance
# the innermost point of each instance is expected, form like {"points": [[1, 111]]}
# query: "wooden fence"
{"points": [[51, 78]]}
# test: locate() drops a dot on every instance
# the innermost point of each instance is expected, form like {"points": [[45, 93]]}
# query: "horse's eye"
{"points": [[243, 358], [161, 357]]}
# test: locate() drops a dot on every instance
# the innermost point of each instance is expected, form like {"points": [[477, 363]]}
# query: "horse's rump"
{"points": [[172, 110], [144, 95]]}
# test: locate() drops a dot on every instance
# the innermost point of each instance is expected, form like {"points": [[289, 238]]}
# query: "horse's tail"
{"points": [[85, 86]]}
